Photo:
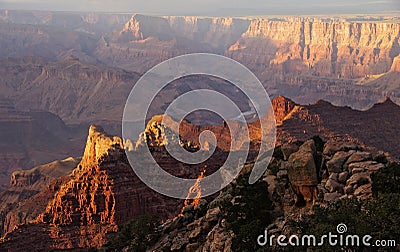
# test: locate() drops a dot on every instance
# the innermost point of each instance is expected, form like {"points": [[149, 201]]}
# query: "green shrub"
{"points": [[378, 217], [387, 180], [136, 235], [249, 215]]}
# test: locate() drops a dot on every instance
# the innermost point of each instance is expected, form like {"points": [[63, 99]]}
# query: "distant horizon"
{"points": [[328, 16], [213, 8]]}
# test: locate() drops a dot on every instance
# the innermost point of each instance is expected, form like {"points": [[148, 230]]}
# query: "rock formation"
{"points": [[31, 138], [305, 59], [302, 171], [209, 227], [84, 208], [101, 193], [24, 199], [329, 121]]}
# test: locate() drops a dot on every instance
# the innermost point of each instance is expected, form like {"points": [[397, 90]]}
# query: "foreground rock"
{"points": [[302, 171], [339, 169], [30, 191], [87, 206]]}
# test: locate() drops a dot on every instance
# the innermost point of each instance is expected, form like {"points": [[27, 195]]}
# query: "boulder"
{"points": [[333, 186], [331, 196], [301, 166], [364, 166], [333, 146], [308, 146], [334, 176], [358, 156], [359, 179], [302, 171], [363, 191], [337, 161], [348, 189], [288, 149], [343, 176]]}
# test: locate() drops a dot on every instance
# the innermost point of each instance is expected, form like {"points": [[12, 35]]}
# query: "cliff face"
{"points": [[325, 47], [29, 192], [305, 59], [328, 48], [396, 64], [329, 121], [31, 138], [85, 207], [78, 85]]}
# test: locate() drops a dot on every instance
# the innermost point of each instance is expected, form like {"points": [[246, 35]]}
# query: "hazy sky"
{"points": [[211, 7]]}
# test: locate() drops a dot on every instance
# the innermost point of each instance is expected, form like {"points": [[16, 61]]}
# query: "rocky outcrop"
{"points": [[31, 138], [210, 226], [396, 64], [90, 204], [97, 196], [307, 178], [19, 203], [352, 171], [329, 121], [282, 107], [305, 59], [302, 171], [329, 48]]}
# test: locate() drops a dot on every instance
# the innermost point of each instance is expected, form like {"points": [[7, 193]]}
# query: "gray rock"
{"points": [[334, 176], [337, 161], [288, 149], [343, 176], [365, 166], [349, 190], [358, 156], [331, 196], [359, 179], [333, 146], [333, 186], [301, 166]]}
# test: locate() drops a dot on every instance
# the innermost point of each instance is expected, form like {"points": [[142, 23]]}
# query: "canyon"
{"points": [[344, 60], [334, 88], [83, 203]]}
